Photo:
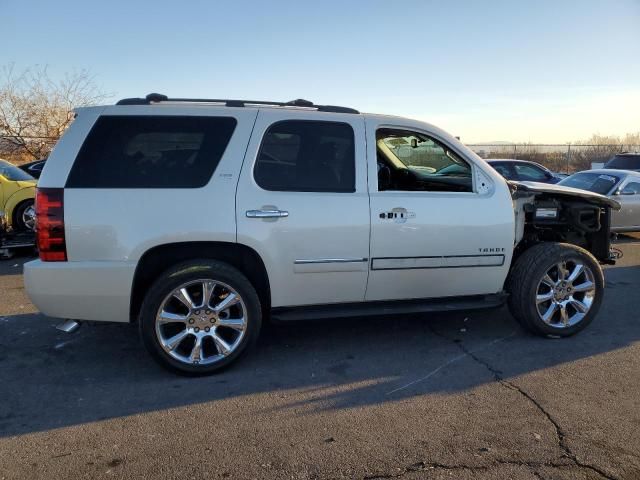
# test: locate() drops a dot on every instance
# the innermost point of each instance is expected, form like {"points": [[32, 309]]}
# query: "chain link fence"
{"points": [[562, 158]]}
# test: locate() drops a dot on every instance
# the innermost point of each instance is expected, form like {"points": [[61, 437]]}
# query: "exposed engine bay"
{"points": [[552, 213]]}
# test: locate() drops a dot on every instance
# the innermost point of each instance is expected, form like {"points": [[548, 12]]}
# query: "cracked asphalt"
{"points": [[466, 396]]}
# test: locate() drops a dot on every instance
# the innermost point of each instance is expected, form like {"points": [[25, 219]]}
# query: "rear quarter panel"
{"points": [[120, 224], [108, 230]]}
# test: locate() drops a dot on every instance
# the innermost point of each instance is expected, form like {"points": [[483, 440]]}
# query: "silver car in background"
{"points": [[621, 185]]}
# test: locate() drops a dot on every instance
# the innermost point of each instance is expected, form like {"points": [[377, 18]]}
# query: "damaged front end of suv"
{"points": [[553, 213]]}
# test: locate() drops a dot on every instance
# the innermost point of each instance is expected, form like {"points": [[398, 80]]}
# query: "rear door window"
{"points": [[151, 152], [307, 156], [504, 170], [530, 173]]}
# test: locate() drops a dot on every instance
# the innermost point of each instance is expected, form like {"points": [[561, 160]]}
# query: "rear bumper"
{"points": [[97, 291]]}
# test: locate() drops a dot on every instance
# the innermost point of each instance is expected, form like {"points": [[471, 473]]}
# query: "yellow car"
{"points": [[17, 193]]}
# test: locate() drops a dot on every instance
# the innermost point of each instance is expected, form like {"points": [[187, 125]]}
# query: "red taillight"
{"points": [[50, 224]]}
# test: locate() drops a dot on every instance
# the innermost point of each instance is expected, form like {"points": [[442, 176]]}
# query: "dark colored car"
{"points": [[34, 168], [524, 171], [624, 161]]}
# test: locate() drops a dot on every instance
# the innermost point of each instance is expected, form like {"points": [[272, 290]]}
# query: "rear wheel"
{"points": [[555, 289], [200, 317], [24, 218]]}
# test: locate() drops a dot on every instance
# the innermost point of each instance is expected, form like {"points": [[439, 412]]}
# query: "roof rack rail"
{"points": [[158, 97]]}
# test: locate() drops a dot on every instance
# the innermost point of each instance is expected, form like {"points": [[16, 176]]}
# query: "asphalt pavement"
{"points": [[465, 395]]}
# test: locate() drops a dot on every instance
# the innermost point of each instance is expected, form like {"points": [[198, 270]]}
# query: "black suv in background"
{"points": [[624, 161], [33, 168], [523, 171]]}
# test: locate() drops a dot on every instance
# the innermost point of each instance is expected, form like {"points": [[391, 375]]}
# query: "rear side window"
{"points": [[307, 156], [151, 152], [632, 188]]}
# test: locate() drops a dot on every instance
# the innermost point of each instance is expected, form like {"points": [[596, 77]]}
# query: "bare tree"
{"points": [[35, 109], [600, 148]]}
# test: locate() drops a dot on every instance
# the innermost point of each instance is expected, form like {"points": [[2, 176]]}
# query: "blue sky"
{"points": [[541, 71]]}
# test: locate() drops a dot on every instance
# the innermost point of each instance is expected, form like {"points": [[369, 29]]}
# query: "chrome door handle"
{"points": [[267, 213]]}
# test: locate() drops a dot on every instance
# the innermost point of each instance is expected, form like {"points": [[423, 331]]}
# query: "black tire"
{"points": [[526, 275], [18, 222], [179, 275]]}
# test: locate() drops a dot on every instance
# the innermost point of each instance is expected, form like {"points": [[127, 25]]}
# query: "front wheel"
{"points": [[556, 289], [199, 317]]}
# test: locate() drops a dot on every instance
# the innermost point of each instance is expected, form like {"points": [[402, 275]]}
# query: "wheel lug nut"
{"points": [[208, 312], [206, 329], [196, 329], [191, 320], [197, 312]]}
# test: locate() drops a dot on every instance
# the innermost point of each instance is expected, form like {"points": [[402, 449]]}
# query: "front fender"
{"points": [[27, 193]]}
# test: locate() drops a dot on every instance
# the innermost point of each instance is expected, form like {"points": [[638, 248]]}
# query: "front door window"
{"points": [[412, 161]]}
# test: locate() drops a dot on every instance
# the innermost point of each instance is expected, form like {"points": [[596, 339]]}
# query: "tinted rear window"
{"points": [[594, 182], [151, 152], [624, 162]]}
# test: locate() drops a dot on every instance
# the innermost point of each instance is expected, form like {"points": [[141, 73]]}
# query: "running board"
{"points": [[396, 307]]}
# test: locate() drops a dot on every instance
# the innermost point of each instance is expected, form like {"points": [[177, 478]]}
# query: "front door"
{"points": [[441, 224], [302, 204]]}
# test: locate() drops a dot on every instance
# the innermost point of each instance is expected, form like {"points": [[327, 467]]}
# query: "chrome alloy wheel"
{"points": [[201, 322], [29, 218], [565, 294]]}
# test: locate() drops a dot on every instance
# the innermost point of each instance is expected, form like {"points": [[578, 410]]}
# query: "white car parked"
{"points": [[198, 218]]}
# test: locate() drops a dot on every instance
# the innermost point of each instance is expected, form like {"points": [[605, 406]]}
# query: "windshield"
{"points": [[13, 173], [593, 182], [624, 162]]}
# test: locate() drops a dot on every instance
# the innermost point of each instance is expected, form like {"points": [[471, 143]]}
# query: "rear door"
{"points": [[302, 204]]}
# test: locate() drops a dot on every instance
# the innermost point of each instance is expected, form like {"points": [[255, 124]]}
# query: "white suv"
{"points": [[197, 218]]}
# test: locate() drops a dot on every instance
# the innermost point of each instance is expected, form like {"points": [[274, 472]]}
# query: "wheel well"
{"points": [[158, 259]]}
